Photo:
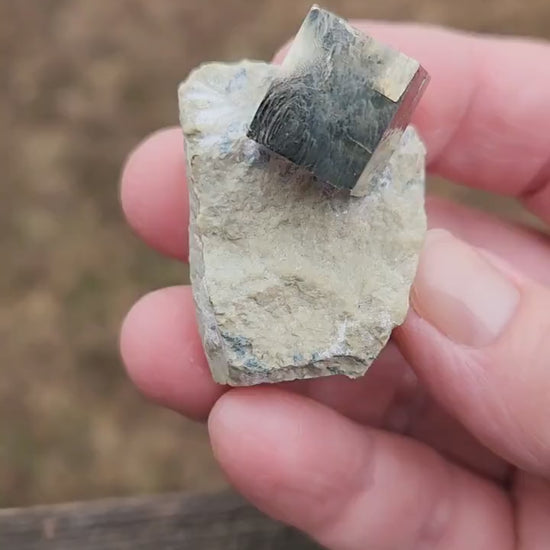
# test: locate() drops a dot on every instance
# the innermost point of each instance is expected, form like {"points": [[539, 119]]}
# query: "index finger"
{"points": [[485, 116]]}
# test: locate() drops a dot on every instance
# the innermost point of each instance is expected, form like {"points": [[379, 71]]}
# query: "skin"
{"points": [[445, 443]]}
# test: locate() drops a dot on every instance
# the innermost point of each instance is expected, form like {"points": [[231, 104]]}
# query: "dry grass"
{"points": [[82, 82]]}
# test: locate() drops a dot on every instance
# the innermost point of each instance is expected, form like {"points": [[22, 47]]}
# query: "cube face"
{"points": [[338, 103]]}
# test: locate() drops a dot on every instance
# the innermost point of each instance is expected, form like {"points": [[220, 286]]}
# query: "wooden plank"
{"points": [[166, 522]]}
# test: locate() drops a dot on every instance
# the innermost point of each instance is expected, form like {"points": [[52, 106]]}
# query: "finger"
{"points": [[154, 193], [154, 199], [478, 338], [164, 357], [162, 351], [390, 397], [516, 244], [351, 487], [532, 497], [485, 115]]}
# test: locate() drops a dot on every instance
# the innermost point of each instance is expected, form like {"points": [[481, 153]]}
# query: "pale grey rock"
{"points": [[290, 280]]}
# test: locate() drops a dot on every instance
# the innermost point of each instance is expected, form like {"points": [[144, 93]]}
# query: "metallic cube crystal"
{"points": [[340, 103]]}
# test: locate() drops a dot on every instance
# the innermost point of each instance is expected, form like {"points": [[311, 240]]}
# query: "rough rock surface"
{"points": [[290, 280]]}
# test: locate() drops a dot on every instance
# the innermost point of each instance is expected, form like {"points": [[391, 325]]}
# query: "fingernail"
{"points": [[461, 293]]}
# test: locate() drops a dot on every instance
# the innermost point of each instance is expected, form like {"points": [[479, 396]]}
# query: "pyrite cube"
{"points": [[340, 103]]}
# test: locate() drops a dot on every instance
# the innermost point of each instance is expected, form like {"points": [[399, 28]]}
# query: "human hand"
{"points": [[444, 444]]}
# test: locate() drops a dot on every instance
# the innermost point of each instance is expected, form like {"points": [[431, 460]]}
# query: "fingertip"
{"points": [[162, 351], [256, 437], [243, 445], [235, 420], [269, 443], [153, 192], [242, 408]]}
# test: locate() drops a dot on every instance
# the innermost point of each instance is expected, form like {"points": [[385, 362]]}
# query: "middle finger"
{"points": [[155, 201]]}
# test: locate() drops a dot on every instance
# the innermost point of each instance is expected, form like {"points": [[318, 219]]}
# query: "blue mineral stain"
{"points": [[237, 82], [298, 358], [239, 344], [252, 363], [315, 357], [227, 142], [225, 145]]}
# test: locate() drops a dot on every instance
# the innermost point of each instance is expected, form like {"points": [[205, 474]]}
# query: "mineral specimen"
{"points": [[340, 103], [290, 281]]}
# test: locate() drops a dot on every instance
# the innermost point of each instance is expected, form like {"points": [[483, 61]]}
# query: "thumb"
{"points": [[478, 336]]}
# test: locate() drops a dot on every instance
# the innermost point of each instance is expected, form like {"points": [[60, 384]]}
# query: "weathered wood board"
{"points": [[165, 522]]}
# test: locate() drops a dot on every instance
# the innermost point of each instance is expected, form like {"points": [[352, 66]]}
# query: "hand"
{"points": [[444, 444]]}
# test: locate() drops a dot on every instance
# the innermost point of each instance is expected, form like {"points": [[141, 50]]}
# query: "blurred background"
{"points": [[81, 82]]}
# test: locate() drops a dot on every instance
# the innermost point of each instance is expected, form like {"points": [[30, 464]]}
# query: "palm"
{"points": [[446, 449]]}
